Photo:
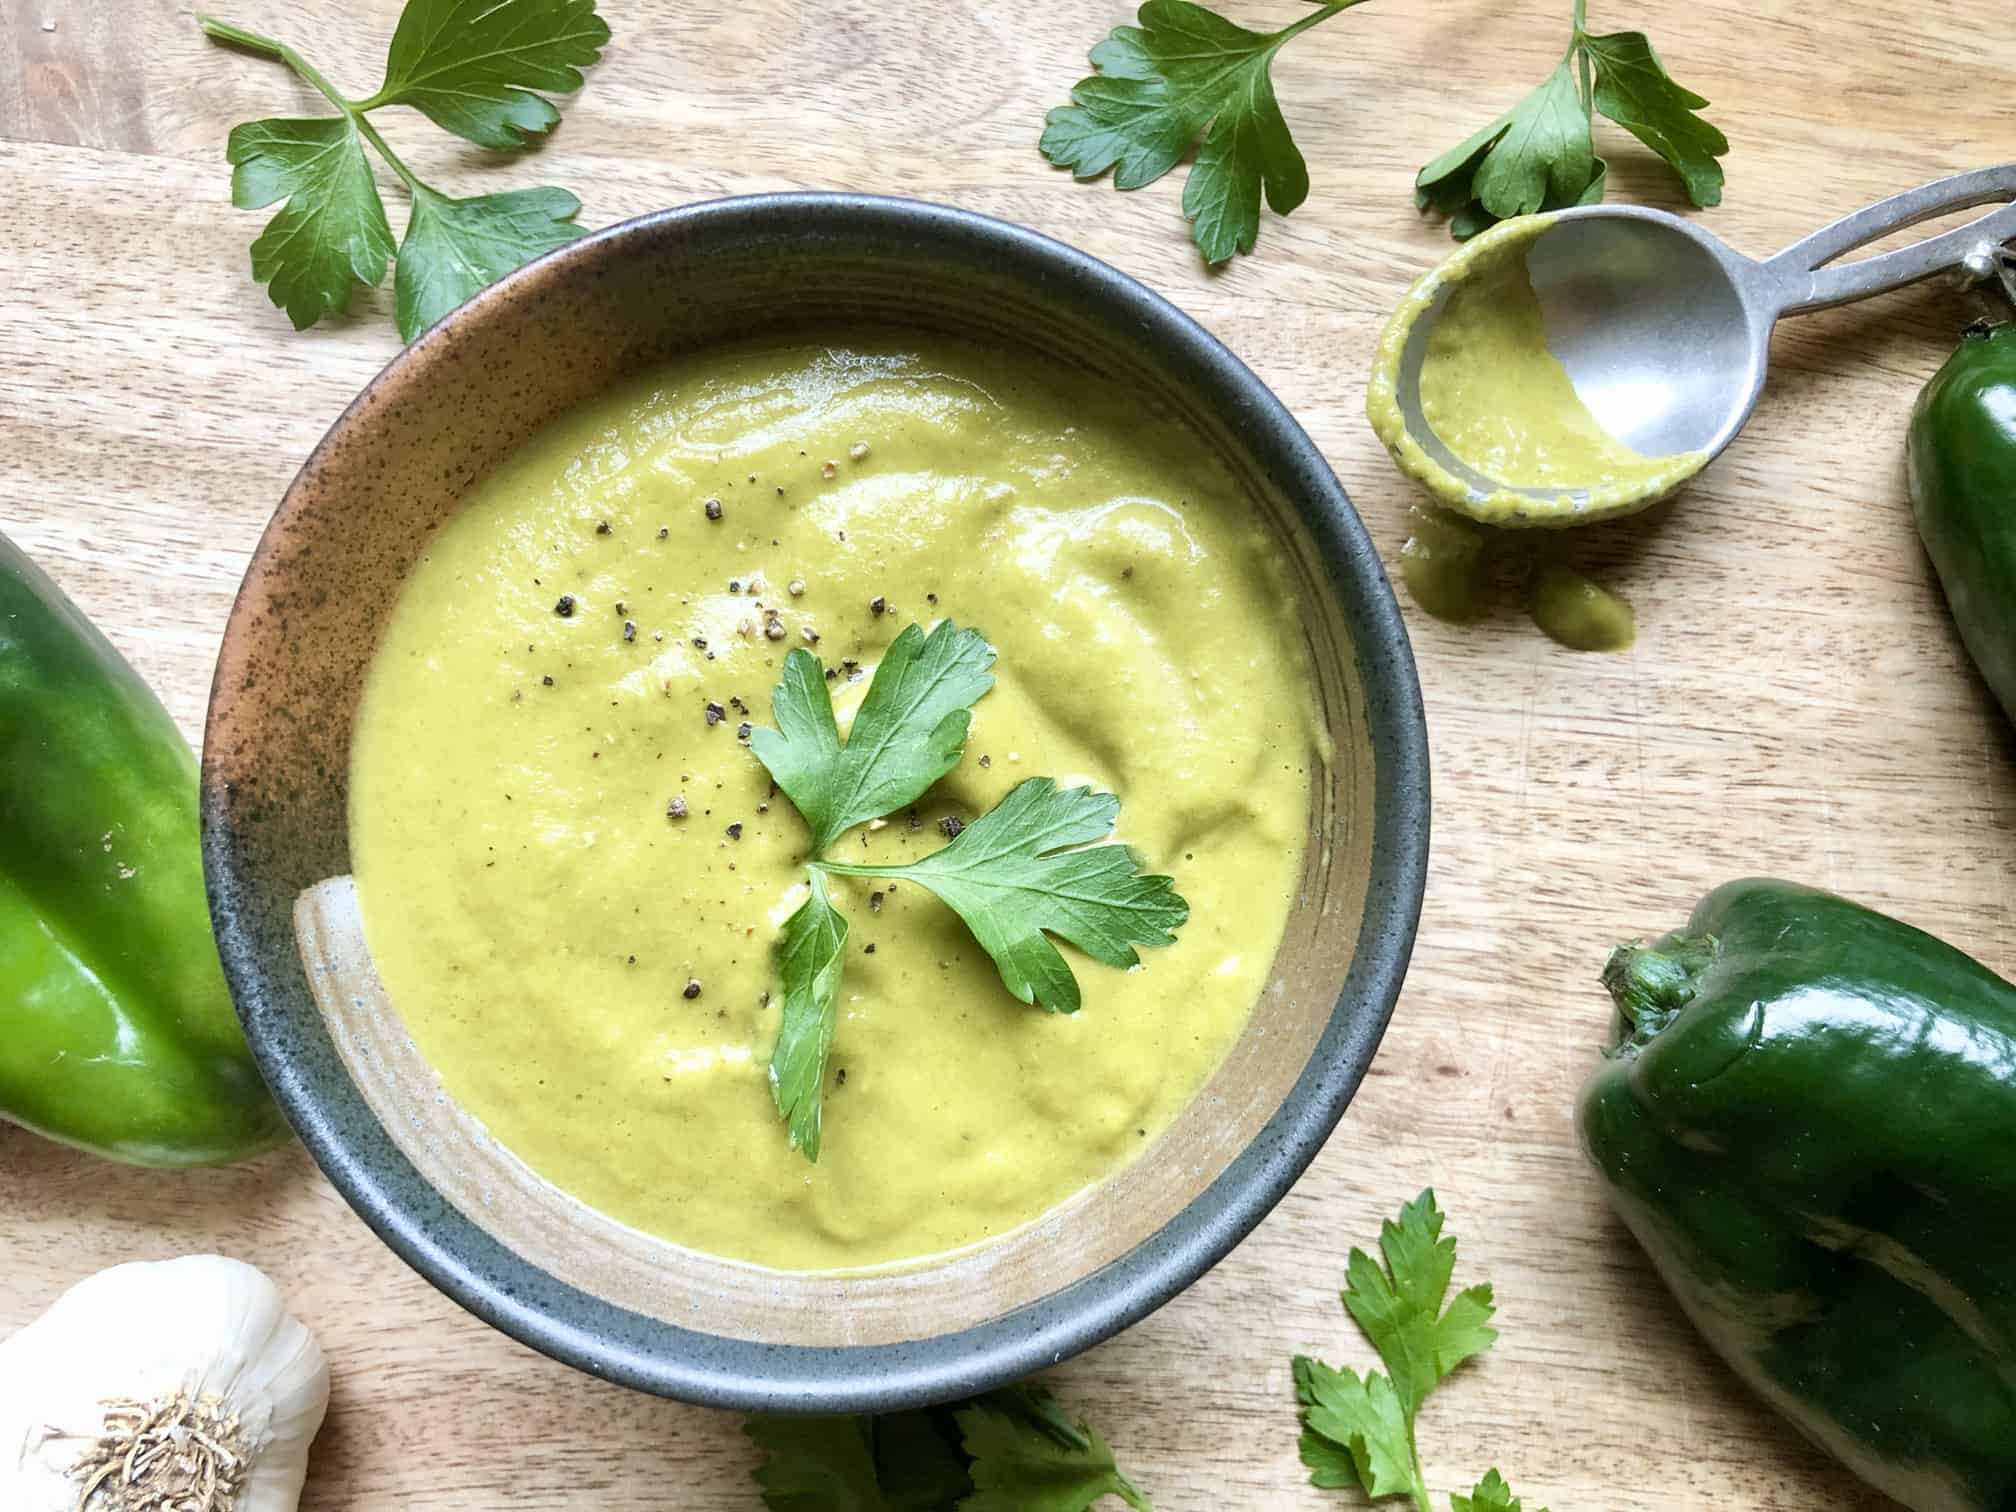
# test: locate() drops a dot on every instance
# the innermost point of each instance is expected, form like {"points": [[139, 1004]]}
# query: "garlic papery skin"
{"points": [[166, 1386]]}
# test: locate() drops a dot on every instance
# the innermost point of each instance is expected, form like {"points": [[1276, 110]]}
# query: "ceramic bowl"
{"points": [[423, 1173]]}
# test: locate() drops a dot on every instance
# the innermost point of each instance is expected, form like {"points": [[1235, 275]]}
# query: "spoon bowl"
{"points": [[1664, 330], [1661, 334]]}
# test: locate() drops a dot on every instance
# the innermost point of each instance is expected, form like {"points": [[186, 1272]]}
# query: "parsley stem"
{"points": [[1314, 18], [1417, 1486], [859, 868], [353, 110], [266, 47], [1581, 55], [237, 36], [370, 134]]}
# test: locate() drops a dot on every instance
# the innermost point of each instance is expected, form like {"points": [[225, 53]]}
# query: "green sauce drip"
{"points": [[1443, 564], [1447, 563], [1579, 613]]}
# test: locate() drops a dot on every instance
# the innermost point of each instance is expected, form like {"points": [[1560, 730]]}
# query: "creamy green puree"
{"points": [[1501, 402], [592, 976]]}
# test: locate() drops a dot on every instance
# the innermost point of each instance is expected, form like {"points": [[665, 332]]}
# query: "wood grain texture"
{"points": [[1797, 702]]}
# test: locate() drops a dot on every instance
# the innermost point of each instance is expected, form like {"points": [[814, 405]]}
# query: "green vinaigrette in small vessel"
{"points": [[1501, 402]]}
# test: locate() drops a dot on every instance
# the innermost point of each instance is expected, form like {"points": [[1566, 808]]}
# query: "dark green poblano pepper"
{"points": [[1960, 463], [116, 1031], [1808, 1118]]}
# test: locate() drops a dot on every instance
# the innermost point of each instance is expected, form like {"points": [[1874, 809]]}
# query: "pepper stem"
{"points": [[1650, 986]]}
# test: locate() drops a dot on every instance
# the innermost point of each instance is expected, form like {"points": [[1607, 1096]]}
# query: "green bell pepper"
{"points": [[1808, 1118], [1960, 463], [116, 1032]]}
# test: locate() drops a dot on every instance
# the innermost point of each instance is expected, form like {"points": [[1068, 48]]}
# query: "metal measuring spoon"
{"points": [[1665, 331]]}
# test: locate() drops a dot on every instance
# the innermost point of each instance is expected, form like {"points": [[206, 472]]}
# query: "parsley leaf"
{"points": [[920, 1462], [809, 956], [1037, 1407], [909, 731], [1358, 1432], [1186, 77], [456, 247], [1634, 90], [1355, 1432], [332, 231], [1400, 1306], [471, 66], [1012, 1450], [1015, 879], [816, 1464], [1491, 1495], [1541, 154], [1537, 156], [1331, 1466], [1022, 1462]]}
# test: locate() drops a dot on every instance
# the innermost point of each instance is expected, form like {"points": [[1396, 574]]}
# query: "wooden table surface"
{"points": [[1797, 702]]}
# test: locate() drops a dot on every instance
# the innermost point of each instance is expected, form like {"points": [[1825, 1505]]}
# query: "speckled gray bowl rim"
{"points": [[596, 1336]]}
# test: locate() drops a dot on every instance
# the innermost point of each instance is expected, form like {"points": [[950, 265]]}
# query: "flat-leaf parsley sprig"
{"points": [[1012, 1450], [1186, 79], [1358, 1431], [1541, 154], [473, 67], [1025, 870]]}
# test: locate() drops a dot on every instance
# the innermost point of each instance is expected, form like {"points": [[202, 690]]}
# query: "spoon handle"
{"points": [[1807, 283]]}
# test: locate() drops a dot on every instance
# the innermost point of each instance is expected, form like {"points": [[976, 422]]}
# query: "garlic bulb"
{"points": [[173, 1386]]}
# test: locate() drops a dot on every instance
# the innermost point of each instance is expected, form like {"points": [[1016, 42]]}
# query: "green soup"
{"points": [[593, 978]]}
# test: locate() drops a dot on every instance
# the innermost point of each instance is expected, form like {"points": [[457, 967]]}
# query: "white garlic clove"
{"points": [[175, 1383]]}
